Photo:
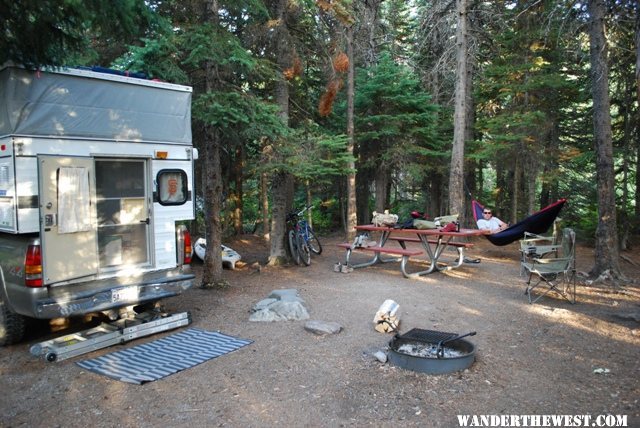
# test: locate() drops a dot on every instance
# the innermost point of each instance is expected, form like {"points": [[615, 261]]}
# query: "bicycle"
{"points": [[302, 240]]}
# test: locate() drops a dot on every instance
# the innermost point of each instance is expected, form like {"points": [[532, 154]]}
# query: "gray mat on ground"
{"points": [[163, 357]]}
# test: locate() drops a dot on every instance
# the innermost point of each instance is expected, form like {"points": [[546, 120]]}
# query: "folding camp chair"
{"points": [[537, 246], [555, 273]]}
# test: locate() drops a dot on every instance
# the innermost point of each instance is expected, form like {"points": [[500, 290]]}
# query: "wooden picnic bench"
{"points": [[402, 239], [403, 252]]}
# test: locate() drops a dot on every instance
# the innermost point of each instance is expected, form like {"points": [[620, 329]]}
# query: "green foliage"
{"points": [[400, 129], [207, 43], [315, 155], [327, 218], [237, 112], [325, 215], [527, 96], [308, 154], [157, 57], [50, 32], [522, 92], [398, 27], [183, 54], [386, 111]]}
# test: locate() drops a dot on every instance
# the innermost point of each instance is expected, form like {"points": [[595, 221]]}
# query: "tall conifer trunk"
{"points": [[264, 204], [637, 39], [469, 184], [607, 252], [212, 272], [382, 186], [282, 181], [238, 177], [352, 219], [456, 172]]}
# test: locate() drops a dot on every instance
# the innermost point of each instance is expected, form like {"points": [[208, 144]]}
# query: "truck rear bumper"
{"points": [[117, 297], [75, 300]]}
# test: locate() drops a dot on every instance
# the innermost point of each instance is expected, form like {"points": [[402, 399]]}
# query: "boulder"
{"points": [[322, 328]]}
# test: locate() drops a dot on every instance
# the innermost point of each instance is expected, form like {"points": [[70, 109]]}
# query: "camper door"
{"points": [[67, 217], [123, 213]]}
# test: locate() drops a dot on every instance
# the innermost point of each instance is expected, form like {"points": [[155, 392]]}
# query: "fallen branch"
{"points": [[628, 260]]}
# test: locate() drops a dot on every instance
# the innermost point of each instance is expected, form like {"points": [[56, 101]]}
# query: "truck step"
{"points": [[108, 334]]}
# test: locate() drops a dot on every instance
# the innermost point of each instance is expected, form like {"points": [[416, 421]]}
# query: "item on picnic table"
{"points": [[438, 222], [442, 219], [384, 219], [446, 219], [406, 224], [450, 227], [424, 224], [387, 319]]}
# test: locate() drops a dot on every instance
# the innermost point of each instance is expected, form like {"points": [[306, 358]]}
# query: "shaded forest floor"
{"points": [[547, 358]]}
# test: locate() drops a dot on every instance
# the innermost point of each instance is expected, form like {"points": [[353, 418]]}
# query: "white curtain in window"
{"points": [[171, 185], [74, 200]]}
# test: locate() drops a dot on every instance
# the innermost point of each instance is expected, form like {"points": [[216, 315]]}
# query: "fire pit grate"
{"points": [[428, 336], [423, 351]]}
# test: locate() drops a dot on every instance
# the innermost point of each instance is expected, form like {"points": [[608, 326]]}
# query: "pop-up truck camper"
{"points": [[96, 179]]}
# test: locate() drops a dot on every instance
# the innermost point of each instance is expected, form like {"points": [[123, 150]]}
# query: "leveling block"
{"points": [[108, 334]]}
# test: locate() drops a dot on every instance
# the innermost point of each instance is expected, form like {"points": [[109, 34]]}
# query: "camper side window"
{"points": [[172, 187]]}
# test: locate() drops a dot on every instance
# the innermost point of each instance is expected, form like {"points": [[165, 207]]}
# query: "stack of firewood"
{"points": [[387, 319]]}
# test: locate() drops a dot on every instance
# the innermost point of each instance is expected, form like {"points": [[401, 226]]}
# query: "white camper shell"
{"points": [[96, 174]]}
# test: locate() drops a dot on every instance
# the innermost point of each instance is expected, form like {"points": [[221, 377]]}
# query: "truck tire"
{"points": [[12, 325]]}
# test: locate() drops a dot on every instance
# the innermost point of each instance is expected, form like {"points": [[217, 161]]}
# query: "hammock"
{"points": [[538, 222]]}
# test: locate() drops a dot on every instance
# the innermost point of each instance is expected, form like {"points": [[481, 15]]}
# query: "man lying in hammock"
{"points": [[538, 222], [490, 223]]}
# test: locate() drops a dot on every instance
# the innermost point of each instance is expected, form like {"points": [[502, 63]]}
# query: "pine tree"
{"points": [[394, 129], [523, 93]]}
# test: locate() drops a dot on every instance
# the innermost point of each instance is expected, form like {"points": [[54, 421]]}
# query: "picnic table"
{"points": [[433, 242]]}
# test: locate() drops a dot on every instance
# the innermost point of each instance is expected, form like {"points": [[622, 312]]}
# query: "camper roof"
{"points": [[77, 103]]}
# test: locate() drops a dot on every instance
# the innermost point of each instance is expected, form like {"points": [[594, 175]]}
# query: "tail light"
{"points": [[184, 245], [33, 266], [187, 247]]}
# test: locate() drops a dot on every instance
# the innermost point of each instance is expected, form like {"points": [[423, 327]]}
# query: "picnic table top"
{"points": [[436, 232]]}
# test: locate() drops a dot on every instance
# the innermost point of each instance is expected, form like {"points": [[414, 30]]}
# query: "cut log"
{"points": [[387, 318]]}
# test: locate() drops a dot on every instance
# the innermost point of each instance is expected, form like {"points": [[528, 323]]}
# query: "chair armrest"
{"points": [[539, 250], [560, 264], [536, 241], [532, 235], [529, 235], [552, 260], [545, 248]]}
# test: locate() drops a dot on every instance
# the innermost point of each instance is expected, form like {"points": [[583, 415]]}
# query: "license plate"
{"points": [[125, 294]]}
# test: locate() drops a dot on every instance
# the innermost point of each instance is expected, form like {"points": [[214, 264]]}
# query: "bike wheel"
{"points": [[314, 243], [293, 246], [303, 250]]}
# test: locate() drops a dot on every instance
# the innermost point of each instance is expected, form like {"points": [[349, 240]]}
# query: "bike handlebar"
{"points": [[305, 209], [299, 213]]}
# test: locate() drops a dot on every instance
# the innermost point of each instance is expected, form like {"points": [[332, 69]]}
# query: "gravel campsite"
{"points": [[546, 358]]}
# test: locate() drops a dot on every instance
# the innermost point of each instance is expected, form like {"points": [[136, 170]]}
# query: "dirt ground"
{"points": [[538, 359]]}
